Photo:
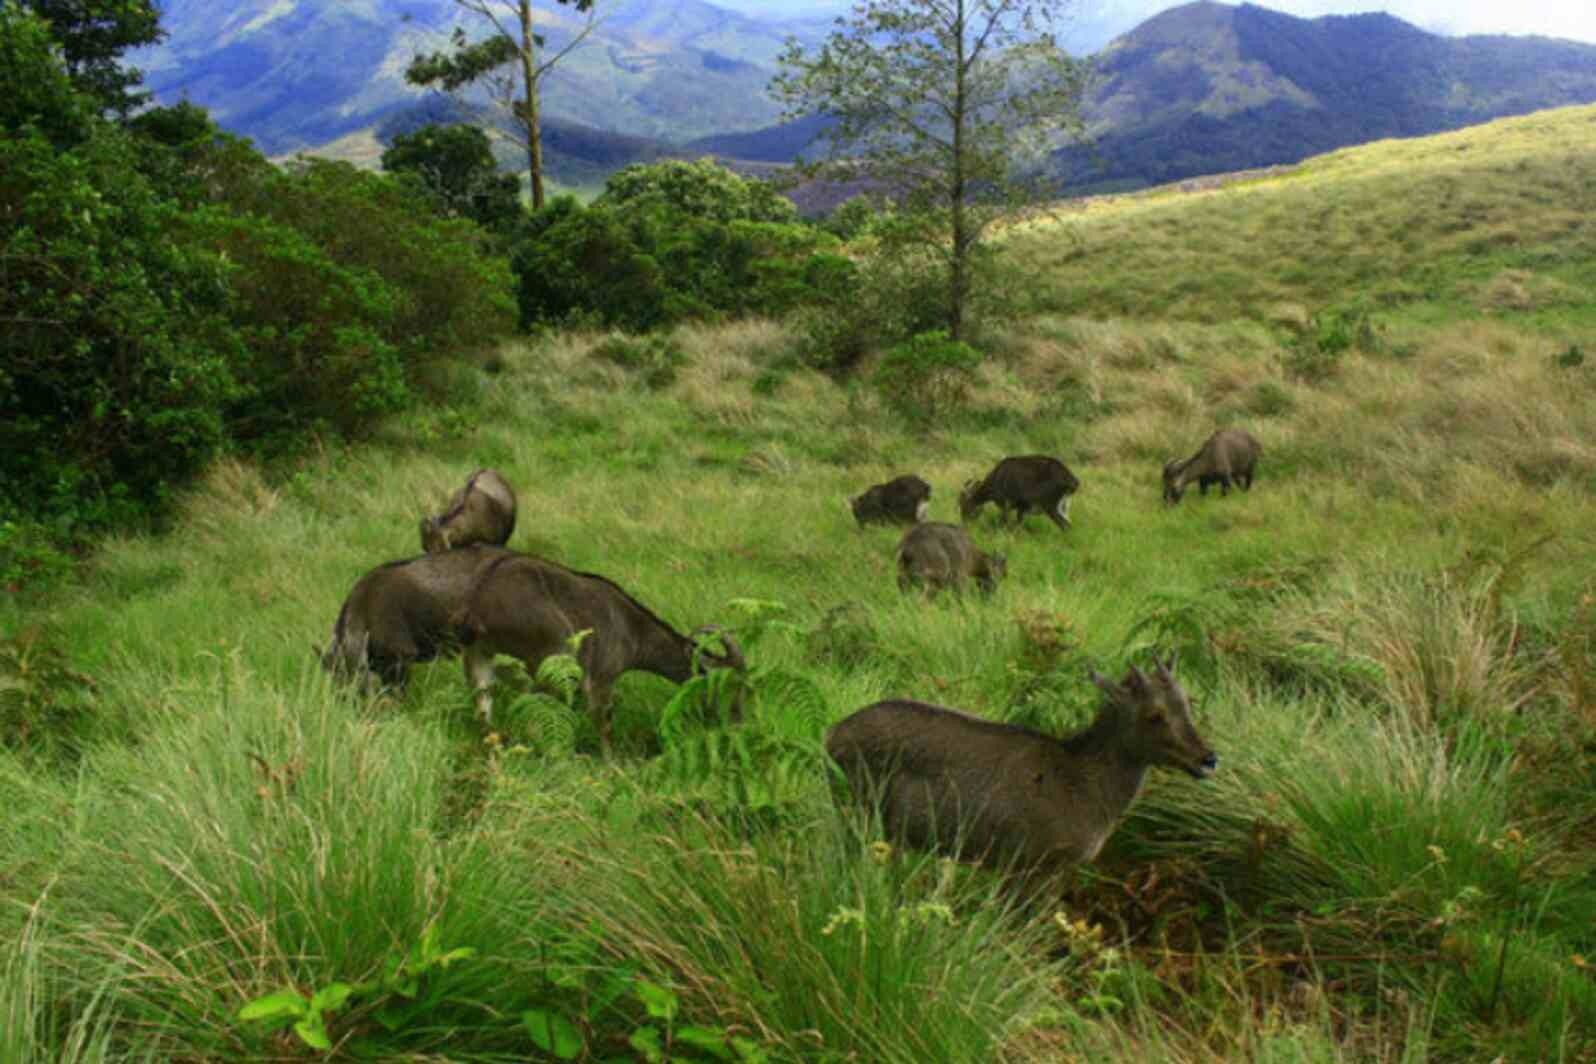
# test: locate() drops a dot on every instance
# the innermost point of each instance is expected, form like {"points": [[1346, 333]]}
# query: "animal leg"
{"points": [[1060, 513], [479, 677], [598, 704], [1224, 484], [1246, 482]]}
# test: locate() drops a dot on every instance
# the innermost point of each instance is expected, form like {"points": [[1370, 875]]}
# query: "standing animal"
{"points": [[903, 500], [1023, 483], [1228, 456], [529, 608], [946, 780], [403, 612], [937, 555], [481, 512]]}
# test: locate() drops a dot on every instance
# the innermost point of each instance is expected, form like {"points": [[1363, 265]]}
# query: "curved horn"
{"points": [[1136, 680], [1166, 668], [733, 658]]}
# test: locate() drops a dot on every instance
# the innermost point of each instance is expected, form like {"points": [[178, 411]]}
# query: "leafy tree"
{"points": [[456, 165], [936, 102], [701, 189], [34, 88], [513, 41], [93, 37]]}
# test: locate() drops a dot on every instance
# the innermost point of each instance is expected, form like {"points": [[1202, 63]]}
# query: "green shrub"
{"points": [[642, 267], [701, 190], [927, 377], [455, 165], [114, 359], [313, 331], [850, 219], [578, 262], [452, 288]]}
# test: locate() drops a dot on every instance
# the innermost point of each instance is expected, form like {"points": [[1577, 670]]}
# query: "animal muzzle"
{"points": [[1204, 768]]}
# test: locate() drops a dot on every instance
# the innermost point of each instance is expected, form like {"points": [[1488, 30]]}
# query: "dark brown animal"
{"points": [[946, 780], [901, 500], [935, 555], [403, 612], [1020, 484], [529, 608], [481, 512], [1228, 456]]}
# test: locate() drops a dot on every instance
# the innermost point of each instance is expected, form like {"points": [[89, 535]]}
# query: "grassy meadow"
{"points": [[1390, 641]]}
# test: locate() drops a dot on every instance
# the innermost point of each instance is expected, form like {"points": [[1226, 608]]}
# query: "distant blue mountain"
{"points": [[1200, 88]]}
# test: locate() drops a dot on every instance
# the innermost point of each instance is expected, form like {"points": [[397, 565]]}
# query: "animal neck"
{"points": [[666, 652], [1118, 777]]}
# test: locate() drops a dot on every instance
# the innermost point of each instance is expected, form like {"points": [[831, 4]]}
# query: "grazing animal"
{"points": [[529, 608], [1023, 483], [403, 612], [481, 512], [902, 500], [946, 780], [1228, 456], [937, 555]]}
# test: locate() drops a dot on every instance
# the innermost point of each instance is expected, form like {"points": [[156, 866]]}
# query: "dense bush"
{"points": [[166, 292], [702, 190], [115, 361], [647, 264], [926, 377], [455, 165]]}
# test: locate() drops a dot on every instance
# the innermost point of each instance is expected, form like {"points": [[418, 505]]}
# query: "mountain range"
{"points": [[1200, 88]]}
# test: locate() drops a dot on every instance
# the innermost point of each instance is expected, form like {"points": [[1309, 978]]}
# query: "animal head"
{"points": [[434, 535], [1173, 488], [862, 507], [969, 499], [731, 657], [1155, 717]]}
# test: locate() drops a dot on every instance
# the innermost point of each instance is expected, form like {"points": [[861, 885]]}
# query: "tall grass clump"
{"points": [[273, 839], [828, 946]]}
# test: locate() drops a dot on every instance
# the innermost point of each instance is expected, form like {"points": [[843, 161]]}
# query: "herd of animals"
{"points": [[940, 778]]}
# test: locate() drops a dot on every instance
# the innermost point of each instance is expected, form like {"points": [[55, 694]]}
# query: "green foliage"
{"points": [[313, 332], [457, 166], [926, 378], [641, 264], [115, 358], [403, 995], [92, 39], [702, 190], [34, 88], [851, 218], [451, 291]]}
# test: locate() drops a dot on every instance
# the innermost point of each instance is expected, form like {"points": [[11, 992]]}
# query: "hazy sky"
{"points": [[1574, 19]]}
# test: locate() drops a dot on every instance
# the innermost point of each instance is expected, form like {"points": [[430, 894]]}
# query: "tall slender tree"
{"points": [[512, 59], [938, 103]]}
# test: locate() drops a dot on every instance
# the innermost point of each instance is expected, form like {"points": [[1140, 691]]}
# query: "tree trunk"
{"points": [[529, 110], [958, 279]]}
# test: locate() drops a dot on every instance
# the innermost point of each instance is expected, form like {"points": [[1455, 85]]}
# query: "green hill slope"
{"points": [[1390, 641]]}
